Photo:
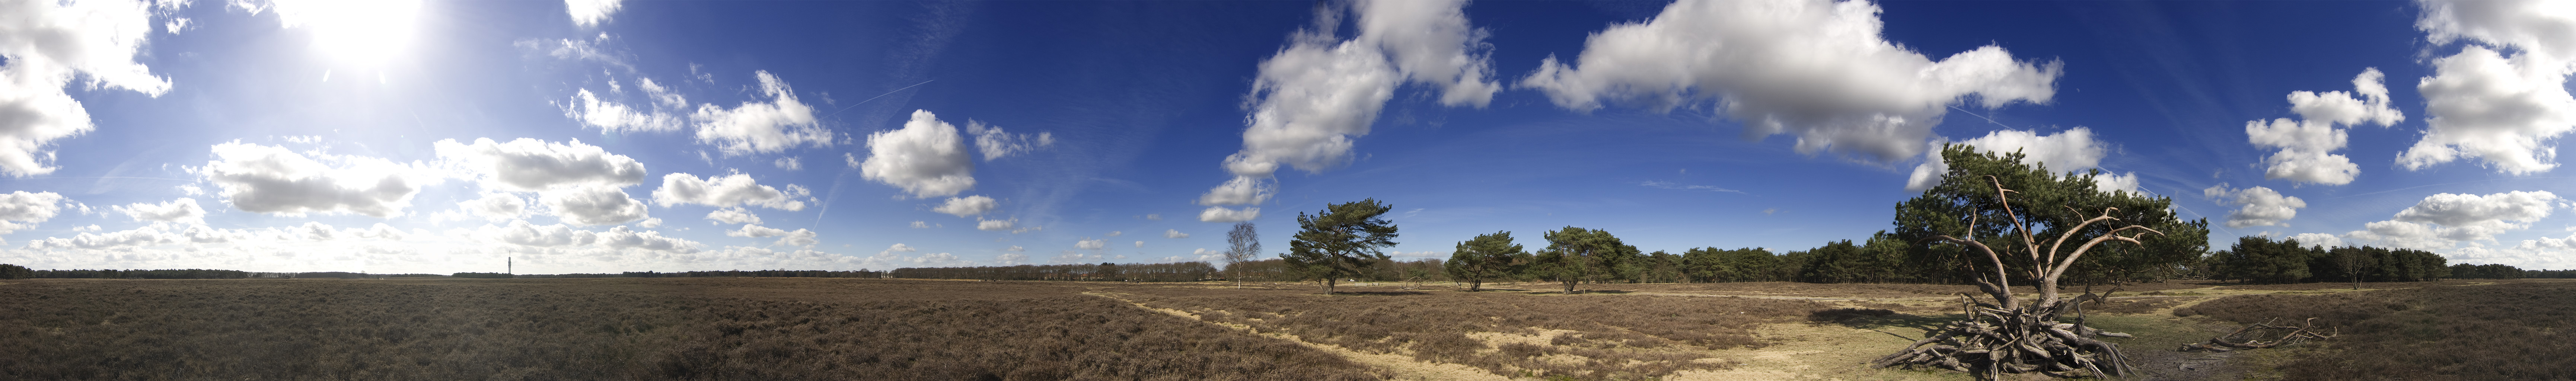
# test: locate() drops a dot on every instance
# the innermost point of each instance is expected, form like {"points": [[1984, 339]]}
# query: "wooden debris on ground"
{"points": [[2261, 335], [1994, 341]]}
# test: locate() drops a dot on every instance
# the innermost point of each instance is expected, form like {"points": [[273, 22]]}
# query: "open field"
{"points": [[587, 329], [873, 329]]}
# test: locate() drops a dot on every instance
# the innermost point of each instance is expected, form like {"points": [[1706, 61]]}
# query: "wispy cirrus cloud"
{"points": [[1679, 186]]}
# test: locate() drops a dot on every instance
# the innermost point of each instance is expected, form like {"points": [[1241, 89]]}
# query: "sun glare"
{"points": [[359, 34]]}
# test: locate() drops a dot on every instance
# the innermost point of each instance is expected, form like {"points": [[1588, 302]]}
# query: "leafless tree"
{"points": [[1245, 244], [2354, 262]]}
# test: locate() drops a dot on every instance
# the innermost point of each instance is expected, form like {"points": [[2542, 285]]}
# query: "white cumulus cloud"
{"points": [[967, 206], [798, 237], [2481, 103], [270, 179], [2257, 206], [926, 157], [780, 123], [529, 165], [755, 231], [2442, 221], [22, 210], [2318, 239], [46, 45], [1091, 244], [2461, 210], [592, 205], [2072, 150], [996, 144], [520, 232], [726, 191], [2306, 145], [940, 260], [733, 215], [2544, 252], [182, 210], [1242, 190], [1818, 69], [621, 238], [496, 206], [139, 237], [589, 13], [611, 116], [995, 225], [1316, 96], [1430, 42], [1175, 234], [1221, 214]]}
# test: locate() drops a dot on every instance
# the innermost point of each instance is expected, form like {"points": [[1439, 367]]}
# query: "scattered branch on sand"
{"points": [[2261, 335]]}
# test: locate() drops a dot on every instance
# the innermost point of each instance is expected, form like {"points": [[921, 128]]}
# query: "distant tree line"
{"points": [[1277, 270], [692, 274], [328, 274], [8, 271], [2546, 274], [2497, 271], [1142, 272], [2257, 259]]}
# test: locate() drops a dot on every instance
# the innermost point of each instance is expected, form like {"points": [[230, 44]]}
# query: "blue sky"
{"points": [[604, 136]]}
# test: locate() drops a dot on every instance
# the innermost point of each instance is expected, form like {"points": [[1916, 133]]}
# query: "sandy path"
{"points": [[1404, 367]]}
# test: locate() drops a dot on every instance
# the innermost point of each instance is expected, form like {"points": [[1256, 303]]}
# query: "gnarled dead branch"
{"points": [[2008, 336], [2261, 335]]}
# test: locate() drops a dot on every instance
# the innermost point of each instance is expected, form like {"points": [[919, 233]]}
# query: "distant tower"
{"points": [[510, 265]]}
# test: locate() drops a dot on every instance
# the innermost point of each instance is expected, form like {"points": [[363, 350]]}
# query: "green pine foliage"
{"points": [[1577, 255], [2050, 203], [1342, 241], [2262, 260], [1487, 257], [1738, 265]]}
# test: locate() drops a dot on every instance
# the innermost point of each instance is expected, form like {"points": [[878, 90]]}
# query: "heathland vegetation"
{"points": [[640, 329], [1994, 227]]}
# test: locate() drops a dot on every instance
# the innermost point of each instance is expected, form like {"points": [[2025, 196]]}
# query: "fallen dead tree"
{"points": [[1994, 341], [2010, 336], [2261, 335]]}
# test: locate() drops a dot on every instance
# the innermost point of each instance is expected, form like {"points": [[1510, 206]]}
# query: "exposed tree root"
{"points": [[1994, 341], [2261, 335]]}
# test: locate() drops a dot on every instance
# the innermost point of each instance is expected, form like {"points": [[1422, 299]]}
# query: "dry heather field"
{"points": [[873, 329]]}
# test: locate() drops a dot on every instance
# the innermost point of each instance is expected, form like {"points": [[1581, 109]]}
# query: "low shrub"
{"points": [[2512, 331]]}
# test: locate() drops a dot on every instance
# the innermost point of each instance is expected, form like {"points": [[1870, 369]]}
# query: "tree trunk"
{"points": [[1328, 284], [2010, 337], [1476, 285], [1569, 286]]}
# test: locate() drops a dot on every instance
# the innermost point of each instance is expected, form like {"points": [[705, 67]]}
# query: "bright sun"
{"points": [[360, 34]]}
